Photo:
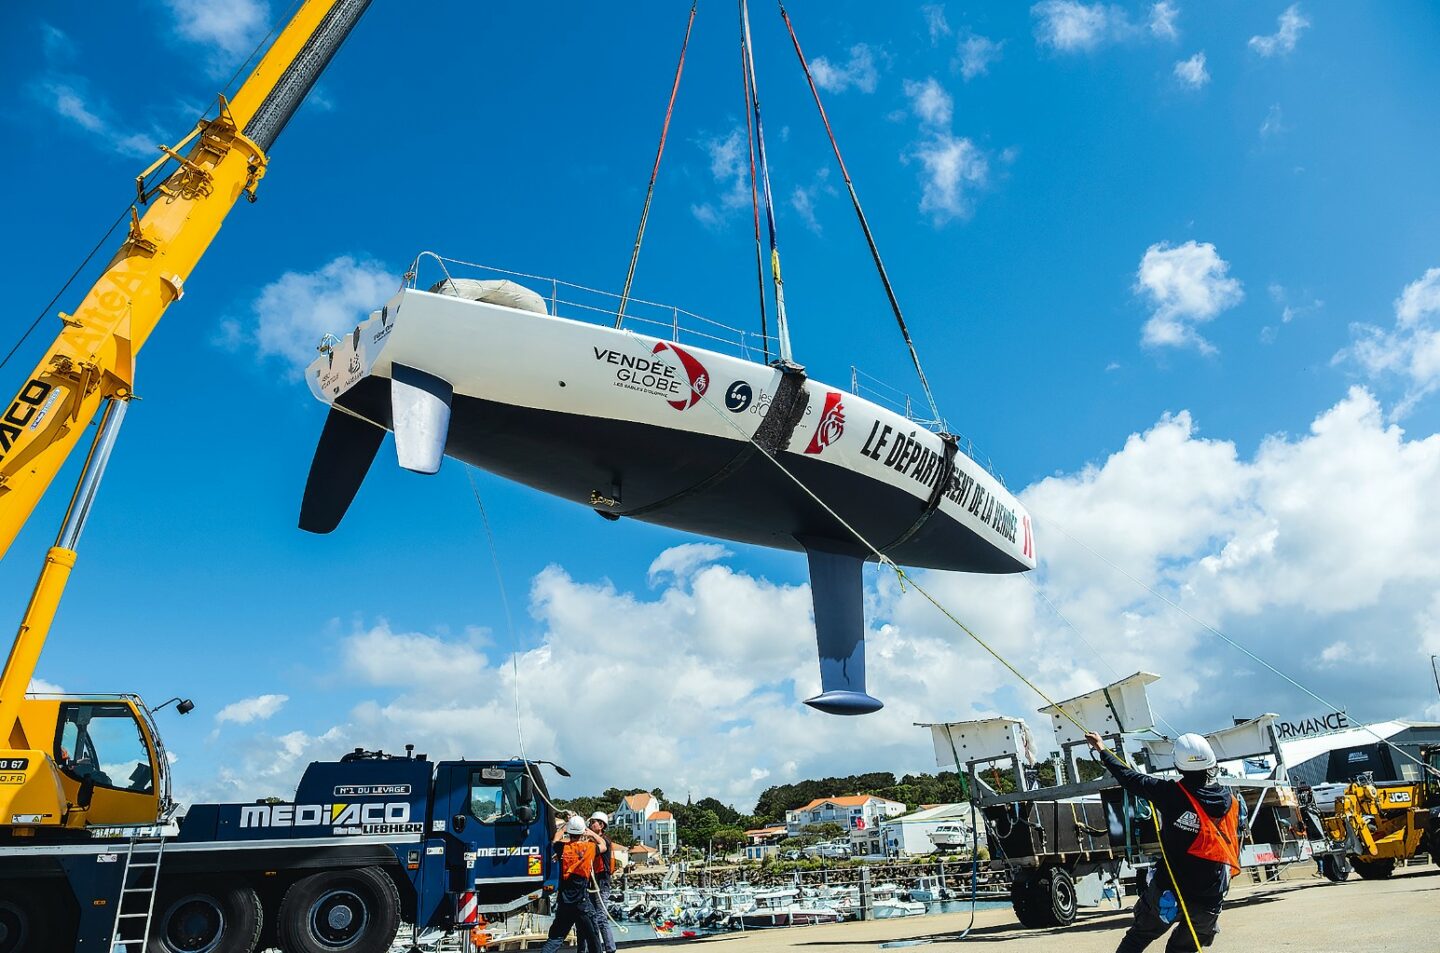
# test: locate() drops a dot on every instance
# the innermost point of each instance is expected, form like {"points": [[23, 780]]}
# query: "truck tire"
{"points": [[205, 917], [1335, 867], [340, 911], [1055, 897], [1043, 898], [33, 919], [1375, 869]]}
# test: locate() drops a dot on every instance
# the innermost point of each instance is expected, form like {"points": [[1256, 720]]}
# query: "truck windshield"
{"points": [[102, 743], [496, 795]]}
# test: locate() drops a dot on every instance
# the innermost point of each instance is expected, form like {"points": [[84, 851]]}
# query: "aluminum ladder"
{"points": [[138, 884]]}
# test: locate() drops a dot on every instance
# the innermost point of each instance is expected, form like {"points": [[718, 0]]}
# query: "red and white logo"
{"points": [[831, 424], [1028, 548], [694, 370]]}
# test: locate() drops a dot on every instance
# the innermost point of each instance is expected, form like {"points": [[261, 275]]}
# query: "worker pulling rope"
{"points": [[655, 170], [864, 224]]}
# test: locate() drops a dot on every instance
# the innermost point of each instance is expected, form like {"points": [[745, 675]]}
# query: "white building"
{"points": [[640, 814], [854, 813], [909, 835]]}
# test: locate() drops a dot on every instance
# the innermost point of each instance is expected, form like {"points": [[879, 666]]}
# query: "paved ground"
{"points": [[1400, 915]]}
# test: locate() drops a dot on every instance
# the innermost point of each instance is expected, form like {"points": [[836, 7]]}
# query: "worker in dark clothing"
{"points": [[600, 893], [575, 850], [1200, 834]]}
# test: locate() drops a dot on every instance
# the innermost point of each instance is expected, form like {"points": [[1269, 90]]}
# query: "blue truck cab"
{"points": [[369, 842]]}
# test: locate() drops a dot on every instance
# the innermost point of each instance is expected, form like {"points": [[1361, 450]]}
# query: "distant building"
{"points": [[909, 834], [858, 812], [640, 855], [762, 841], [640, 814]]}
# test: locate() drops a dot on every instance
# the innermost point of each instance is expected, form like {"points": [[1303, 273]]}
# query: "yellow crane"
{"points": [[50, 771]]}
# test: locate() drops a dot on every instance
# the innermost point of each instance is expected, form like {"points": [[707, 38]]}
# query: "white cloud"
{"points": [[292, 313], [1273, 124], [951, 167], [65, 97], [1411, 350], [1162, 20], [859, 71], [1280, 548], [1070, 26], [929, 101], [935, 22], [976, 53], [232, 26], [1187, 285], [730, 168], [39, 686], [1286, 35], [1192, 72], [246, 710], [56, 44], [803, 197]]}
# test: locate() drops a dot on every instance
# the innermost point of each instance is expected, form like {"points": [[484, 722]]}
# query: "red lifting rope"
{"points": [[650, 191], [864, 225]]}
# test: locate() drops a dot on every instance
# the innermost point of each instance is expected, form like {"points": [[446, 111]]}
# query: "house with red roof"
{"points": [[640, 814]]}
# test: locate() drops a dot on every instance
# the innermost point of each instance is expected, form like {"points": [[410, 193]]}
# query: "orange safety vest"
{"points": [[577, 860], [1217, 841], [605, 863]]}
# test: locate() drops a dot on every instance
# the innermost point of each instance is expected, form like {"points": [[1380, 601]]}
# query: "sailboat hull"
{"points": [[634, 426]]}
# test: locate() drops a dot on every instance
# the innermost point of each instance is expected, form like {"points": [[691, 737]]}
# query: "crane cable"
{"points": [[864, 224], [655, 170]]}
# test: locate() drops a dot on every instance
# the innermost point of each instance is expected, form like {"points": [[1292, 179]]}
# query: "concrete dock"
{"points": [[1399, 915]]}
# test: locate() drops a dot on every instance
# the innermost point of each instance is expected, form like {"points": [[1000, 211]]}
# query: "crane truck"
{"points": [[93, 852]]}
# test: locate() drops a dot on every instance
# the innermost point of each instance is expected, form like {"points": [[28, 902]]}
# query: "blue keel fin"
{"points": [[836, 588], [342, 458]]}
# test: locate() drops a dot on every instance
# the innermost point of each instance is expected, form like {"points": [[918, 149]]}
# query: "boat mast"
{"points": [[782, 327]]}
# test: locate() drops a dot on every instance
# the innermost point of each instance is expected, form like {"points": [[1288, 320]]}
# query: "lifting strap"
{"points": [[864, 224], [655, 170]]}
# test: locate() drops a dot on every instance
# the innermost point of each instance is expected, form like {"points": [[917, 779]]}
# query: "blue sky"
{"points": [[1169, 265]]}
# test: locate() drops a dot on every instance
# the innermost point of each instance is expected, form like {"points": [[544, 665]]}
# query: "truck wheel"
{"points": [[354, 911], [1375, 869], [205, 918], [1055, 896], [1021, 892], [1335, 867], [33, 920]]}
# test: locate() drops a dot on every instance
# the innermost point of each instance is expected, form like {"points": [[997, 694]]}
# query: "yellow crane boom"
{"points": [[92, 359]]}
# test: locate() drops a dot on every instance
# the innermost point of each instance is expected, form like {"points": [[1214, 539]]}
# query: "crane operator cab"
{"points": [[78, 762]]}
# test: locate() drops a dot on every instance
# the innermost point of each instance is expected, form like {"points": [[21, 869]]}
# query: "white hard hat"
{"points": [[601, 816], [1193, 753], [575, 827]]}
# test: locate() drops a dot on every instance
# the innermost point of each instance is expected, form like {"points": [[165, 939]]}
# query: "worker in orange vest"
{"points": [[1200, 834], [575, 847]]}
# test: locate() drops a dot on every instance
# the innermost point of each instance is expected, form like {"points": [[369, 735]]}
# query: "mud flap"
{"points": [[342, 458], [836, 588], [420, 415]]}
